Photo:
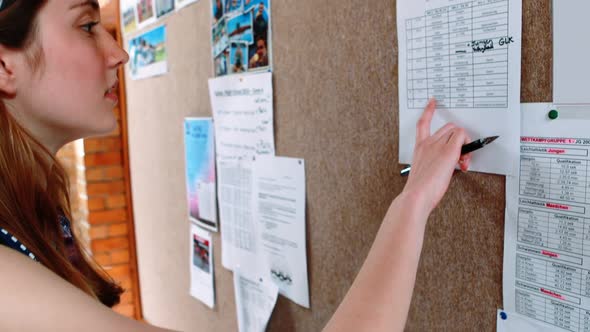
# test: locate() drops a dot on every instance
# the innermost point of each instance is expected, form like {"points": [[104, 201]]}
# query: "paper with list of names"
{"points": [[466, 54], [547, 228], [242, 108]]}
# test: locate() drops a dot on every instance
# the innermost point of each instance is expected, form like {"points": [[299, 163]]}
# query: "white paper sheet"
{"points": [[467, 55], [512, 322], [243, 112], [238, 230], [571, 68], [201, 262], [255, 301], [547, 228], [279, 209]]}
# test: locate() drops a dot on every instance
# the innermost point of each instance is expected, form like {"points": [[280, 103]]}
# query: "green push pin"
{"points": [[553, 114]]}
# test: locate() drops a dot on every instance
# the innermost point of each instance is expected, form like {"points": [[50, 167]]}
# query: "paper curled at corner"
{"points": [[255, 301]]}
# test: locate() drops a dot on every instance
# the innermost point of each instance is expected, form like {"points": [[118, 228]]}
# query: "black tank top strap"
{"points": [[10, 241]]}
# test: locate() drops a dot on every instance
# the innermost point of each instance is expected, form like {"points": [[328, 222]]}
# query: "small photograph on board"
{"points": [[258, 54], [147, 54], [234, 6], [219, 38], [146, 13], [259, 57], [221, 64], [200, 172], [164, 7], [239, 28], [249, 4], [183, 3], [218, 10], [201, 254], [128, 16], [201, 266], [238, 58]]}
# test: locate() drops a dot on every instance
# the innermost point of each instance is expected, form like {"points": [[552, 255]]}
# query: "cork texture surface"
{"points": [[336, 106]]}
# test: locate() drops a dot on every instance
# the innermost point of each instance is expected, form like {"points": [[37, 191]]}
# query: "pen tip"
{"points": [[490, 139]]}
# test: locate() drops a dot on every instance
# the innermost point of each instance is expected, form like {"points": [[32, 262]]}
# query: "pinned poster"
{"points": [[201, 262], [200, 172], [128, 17], [145, 11], [164, 7], [241, 36], [147, 54]]}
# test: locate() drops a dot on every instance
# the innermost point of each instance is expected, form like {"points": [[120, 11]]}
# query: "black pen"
{"points": [[465, 149]]}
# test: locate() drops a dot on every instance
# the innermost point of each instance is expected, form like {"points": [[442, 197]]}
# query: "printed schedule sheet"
{"points": [[466, 54], [547, 230]]}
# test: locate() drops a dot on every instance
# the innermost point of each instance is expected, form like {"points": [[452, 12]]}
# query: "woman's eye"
{"points": [[88, 27]]}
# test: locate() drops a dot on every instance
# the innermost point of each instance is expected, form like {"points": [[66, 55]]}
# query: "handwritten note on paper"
{"points": [[466, 55], [243, 114], [243, 117]]}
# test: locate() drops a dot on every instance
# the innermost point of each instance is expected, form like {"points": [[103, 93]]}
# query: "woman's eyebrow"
{"points": [[91, 3]]}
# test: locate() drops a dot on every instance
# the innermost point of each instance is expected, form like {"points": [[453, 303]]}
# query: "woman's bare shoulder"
{"points": [[36, 299]]}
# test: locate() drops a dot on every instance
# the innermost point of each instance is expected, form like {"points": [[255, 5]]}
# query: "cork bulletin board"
{"points": [[336, 106]]}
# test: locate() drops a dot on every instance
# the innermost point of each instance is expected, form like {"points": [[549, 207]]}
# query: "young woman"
{"points": [[58, 69]]}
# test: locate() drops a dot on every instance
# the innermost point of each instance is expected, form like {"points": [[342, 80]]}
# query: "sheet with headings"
{"points": [[547, 226]]}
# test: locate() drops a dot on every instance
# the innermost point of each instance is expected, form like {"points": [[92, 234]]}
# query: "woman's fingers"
{"points": [[423, 125], [442, 132], [456, 138]]}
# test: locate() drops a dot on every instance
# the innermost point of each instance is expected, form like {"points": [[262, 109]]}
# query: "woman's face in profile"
{"points": [[70, 91]]}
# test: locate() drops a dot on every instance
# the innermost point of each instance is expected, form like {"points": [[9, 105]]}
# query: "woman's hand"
{"points": [[435, 158]]}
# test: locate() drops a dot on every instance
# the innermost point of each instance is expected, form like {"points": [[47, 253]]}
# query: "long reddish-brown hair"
{"points": [[33, 185]]}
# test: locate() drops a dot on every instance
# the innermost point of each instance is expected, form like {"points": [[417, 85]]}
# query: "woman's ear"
{"points": [[7, 76]]}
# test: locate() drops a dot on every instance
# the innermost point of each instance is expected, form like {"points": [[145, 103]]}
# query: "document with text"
{"points": [[255, 301], [547, 226], [466, 54], [242, 107], [279, 211]]}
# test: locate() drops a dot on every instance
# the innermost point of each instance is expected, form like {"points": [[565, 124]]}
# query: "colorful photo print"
{"points": [[234, 6], [239, 28], [164, 7], [200, 171], [218, 7], [219, 38], [238, 58], [258, 55], [201, 253], [250, 25], [128, 16], [221, 64], [249, 4], [147, 54], [145, 12]]}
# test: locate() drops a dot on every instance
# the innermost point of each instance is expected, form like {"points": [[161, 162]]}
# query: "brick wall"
{"points": [[109, 216], [71, 157]]}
